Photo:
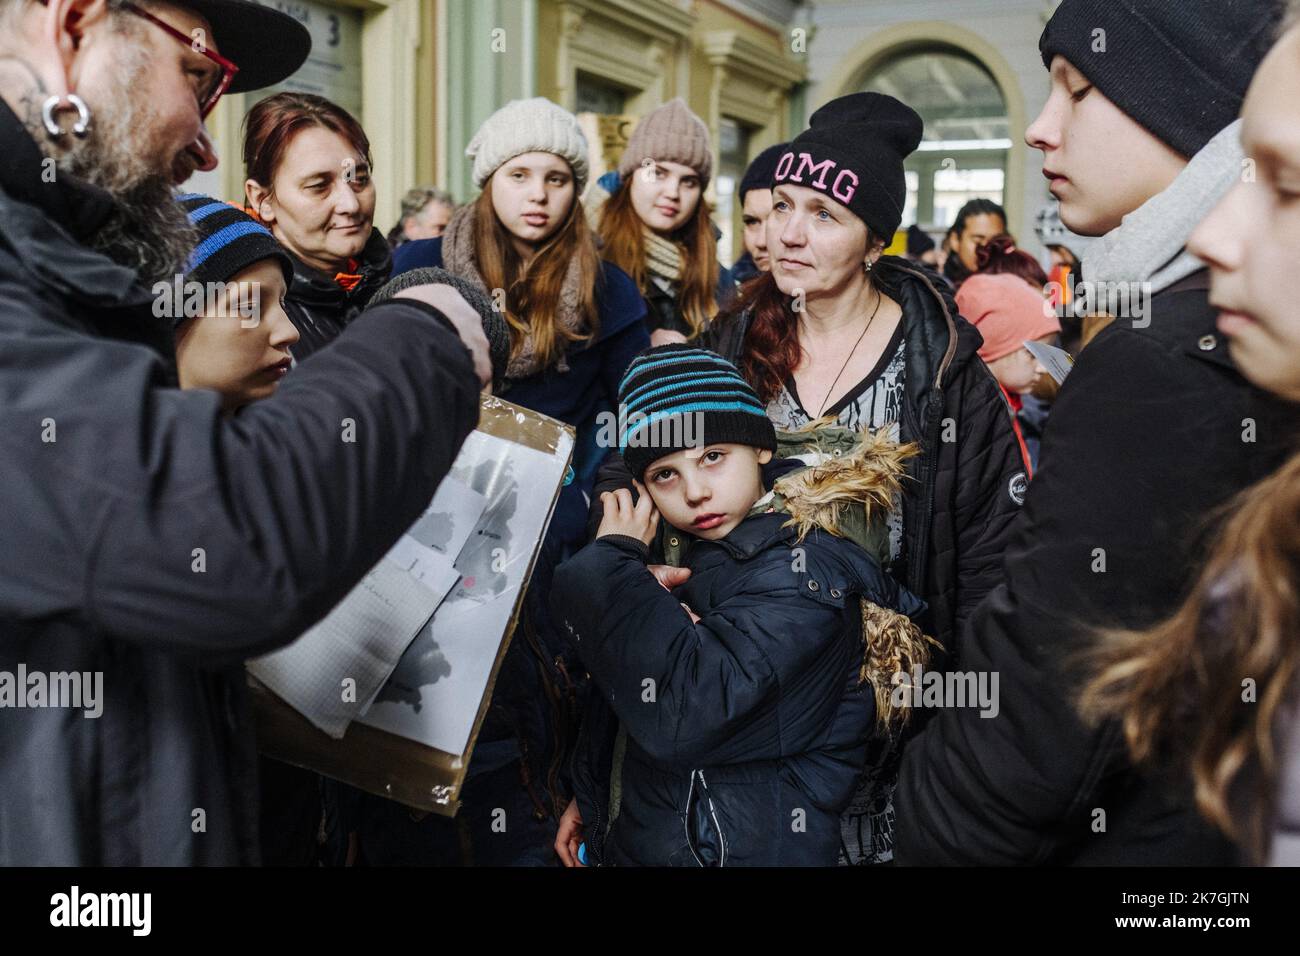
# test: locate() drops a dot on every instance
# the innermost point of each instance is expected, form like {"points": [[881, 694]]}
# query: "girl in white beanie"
{"points": [[575, 324], [525, 240]]}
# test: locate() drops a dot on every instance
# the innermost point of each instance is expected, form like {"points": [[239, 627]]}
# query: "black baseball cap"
{"points": [[266, 44]]}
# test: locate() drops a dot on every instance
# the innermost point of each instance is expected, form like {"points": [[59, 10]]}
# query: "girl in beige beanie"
{"points": [[655, 225]]}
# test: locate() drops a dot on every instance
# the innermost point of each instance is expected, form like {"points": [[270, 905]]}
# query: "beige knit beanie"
{"points": [[526, 126], [671, 133]]}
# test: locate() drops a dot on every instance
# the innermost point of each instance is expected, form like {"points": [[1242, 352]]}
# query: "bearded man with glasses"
{"points": [[148, 543]]}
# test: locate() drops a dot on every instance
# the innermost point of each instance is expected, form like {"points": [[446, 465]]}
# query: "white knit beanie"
{"points": [[526, 126]]}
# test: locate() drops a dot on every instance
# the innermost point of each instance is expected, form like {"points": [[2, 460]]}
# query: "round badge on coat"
{"points": [[1017, 487]]}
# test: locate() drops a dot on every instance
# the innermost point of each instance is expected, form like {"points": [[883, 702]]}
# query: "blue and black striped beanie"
{"points": [[230, 241], [679, 396]]}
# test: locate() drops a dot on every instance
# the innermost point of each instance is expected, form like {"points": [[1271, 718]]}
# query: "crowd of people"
{"points": [[719, 645]]}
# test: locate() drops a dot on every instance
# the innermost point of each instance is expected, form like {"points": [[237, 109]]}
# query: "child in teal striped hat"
{"points": [[232, 333], [733, 713], [695, 434]]}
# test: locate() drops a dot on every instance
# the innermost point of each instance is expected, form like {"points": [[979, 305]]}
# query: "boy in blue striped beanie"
{"points": [[732, 714], [695, 434], [232, 333]]}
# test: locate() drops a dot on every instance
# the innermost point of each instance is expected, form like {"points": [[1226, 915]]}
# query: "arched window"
{"points": [[963, 154]]}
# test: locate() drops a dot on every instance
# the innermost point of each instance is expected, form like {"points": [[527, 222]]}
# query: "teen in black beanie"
{"points": [[1178, 67], [1145, 443]]}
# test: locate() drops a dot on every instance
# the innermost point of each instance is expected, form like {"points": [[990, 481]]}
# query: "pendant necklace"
{"points": [[831, 390]]}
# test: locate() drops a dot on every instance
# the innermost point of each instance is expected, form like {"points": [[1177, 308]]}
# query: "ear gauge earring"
{"points": [[56, 103]]}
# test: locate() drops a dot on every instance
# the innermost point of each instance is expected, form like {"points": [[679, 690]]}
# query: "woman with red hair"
{"points": [[838, 339], [309, 180]]}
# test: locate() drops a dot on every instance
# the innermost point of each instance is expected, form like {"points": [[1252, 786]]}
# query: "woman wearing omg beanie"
{"points": [[654, 223], [838, 338], [575, 325]]}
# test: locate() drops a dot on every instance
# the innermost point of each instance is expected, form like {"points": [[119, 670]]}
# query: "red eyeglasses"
{"points": [[219, 84]]}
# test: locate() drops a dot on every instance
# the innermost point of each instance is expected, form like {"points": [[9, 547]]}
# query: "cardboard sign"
{"points": [[413, 740]]}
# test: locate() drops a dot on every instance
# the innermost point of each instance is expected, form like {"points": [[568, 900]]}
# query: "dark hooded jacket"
{"points": [[148, 539], [1153, 431], [745, 733]]}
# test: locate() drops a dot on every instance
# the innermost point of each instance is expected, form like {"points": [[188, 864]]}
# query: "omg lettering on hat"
{"points": [[853, 152]]}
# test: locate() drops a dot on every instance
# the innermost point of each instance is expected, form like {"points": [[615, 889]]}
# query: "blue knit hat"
{"points": [[679, 396], [230, 241]]}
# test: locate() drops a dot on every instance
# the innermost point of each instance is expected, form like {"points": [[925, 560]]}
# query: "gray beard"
{"points": [[146, 230]]}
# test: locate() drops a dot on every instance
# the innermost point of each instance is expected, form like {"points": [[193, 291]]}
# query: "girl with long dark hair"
{"points": [[654, 223]]}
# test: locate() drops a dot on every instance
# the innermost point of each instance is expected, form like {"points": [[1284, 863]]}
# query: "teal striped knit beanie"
{"points": [[679, 396]]}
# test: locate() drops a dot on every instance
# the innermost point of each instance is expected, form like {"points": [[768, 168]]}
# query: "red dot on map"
{"points": [[469, 582]]}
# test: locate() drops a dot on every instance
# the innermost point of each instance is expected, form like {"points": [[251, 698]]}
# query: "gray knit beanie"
{"points": [[526, 126], [673, 134]]}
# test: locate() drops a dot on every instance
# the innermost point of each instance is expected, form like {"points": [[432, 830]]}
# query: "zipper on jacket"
{"points": [[920, 558], [713, 815], [686, 821], [722, 837]]}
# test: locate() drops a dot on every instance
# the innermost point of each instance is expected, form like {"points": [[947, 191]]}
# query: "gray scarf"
{"points": [[458, 258], [1150, 243]]}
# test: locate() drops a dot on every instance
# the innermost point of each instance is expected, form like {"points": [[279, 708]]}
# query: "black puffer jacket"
{"points": [[969, 480], [746, 732], [320, 308], [147, 538], [1152, 432]]}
